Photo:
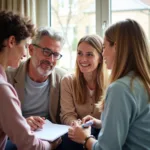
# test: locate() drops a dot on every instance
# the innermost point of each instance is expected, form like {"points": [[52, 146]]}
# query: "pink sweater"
{"points": [[12, 123]]}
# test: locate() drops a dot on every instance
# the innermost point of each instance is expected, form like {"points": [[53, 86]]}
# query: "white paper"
{"points": [[51, 131]]}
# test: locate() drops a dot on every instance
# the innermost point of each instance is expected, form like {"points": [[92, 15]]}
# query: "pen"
{"points": [[87, 124]]}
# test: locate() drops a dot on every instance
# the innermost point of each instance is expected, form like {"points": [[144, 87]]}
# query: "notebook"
{"points": [[51, 131]]}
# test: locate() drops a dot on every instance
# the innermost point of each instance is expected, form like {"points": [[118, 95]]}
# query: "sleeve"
{"points": [[10, 73], [119, 110], [68, 113], [13, 123]]}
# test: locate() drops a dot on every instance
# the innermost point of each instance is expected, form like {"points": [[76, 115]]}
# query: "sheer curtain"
{"points": [[37, 10]]}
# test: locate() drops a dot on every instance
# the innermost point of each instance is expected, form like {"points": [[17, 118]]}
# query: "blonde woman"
{"points": [[125, 120], [83, 89]]}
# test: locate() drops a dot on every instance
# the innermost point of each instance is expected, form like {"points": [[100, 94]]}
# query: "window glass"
{"points": [[74, 19], [138, 10]]}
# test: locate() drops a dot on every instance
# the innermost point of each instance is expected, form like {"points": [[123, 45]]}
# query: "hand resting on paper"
{"points": [[56, 143], [35, 122]]}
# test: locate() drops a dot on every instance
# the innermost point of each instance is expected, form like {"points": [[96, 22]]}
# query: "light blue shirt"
{"points": [[126, 117], [36, 101]]}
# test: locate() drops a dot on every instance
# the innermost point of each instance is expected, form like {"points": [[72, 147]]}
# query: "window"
{"points": [[93, 16], [87, 29], [138, 10], [67, 6], [72, 18]]}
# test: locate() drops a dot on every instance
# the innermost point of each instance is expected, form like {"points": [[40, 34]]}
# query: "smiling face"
{"points": [[87, 58], [44, 65], [108, 53], [17, 52]]}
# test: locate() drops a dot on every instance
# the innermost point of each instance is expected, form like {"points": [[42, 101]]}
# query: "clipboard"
{"points": [[50, 131]]}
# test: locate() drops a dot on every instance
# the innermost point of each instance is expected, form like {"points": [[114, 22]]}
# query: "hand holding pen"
{"points": [[78, 132], [96, 123], [79, 122], [87, 124]]}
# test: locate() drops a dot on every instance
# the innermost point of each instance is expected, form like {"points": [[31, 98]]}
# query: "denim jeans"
{"points": [[68, 144], [10, 145]]}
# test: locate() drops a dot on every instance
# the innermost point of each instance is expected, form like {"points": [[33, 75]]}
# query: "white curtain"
{"points": [[37, 10]]}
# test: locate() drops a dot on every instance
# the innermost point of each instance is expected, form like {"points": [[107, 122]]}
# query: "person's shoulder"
{"points": [[119, 93], [68, 77], [57, 74], [121, 84], [128, 83], [7, 91], [60, 71], [12, 71], [4, 84], [67, 82], [2, 80]]}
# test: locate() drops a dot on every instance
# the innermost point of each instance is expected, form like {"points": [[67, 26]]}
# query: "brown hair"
{"points": [[132, 52], [12, 24], [79, 82]]}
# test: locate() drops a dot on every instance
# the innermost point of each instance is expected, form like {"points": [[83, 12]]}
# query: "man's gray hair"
{"points": [[48, 32]]}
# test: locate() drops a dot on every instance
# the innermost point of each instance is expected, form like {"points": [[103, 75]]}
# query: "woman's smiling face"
{"points": [[87, 58]]}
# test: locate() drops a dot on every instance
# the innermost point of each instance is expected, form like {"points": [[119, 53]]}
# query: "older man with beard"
{"points": [[37, 81]]}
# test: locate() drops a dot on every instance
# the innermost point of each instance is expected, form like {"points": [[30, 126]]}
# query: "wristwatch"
{"points": [[85, 141]]}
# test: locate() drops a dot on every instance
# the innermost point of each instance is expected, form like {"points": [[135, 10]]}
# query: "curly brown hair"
{"points": [[12, 24]]}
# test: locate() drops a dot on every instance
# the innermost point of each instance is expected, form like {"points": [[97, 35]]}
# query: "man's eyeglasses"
{"points": [[48, 52]]}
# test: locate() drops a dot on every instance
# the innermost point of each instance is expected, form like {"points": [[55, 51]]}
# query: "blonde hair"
{"points": [[132, 52], [79, 82]]}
